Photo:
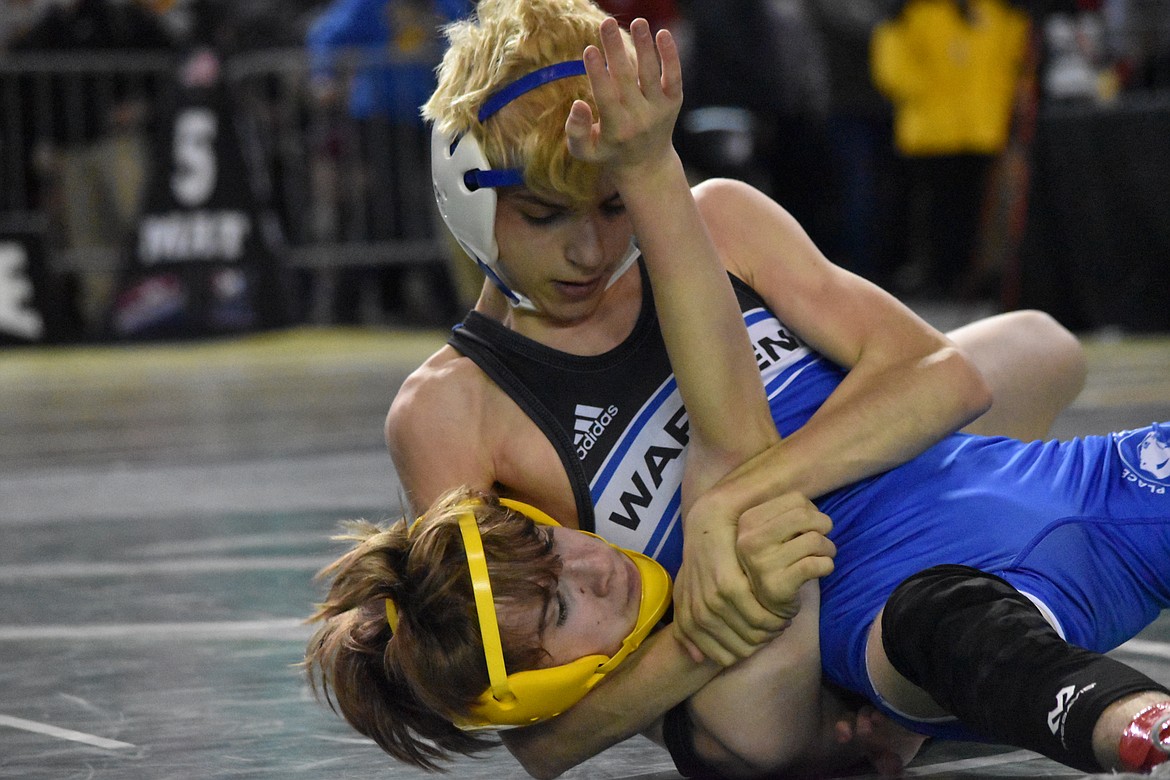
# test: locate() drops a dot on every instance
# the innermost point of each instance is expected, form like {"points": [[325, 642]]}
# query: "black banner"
{"points": [[1095, 251], [201, 260], [26, 314]]}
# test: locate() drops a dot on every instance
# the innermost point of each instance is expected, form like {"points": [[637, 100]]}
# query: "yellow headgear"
{"points": [[522, 698]]}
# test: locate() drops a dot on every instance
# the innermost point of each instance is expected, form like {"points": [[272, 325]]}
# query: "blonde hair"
{"points": [[403, 689], [504, 41]]}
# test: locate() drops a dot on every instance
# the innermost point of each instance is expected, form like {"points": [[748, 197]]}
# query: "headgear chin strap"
{"points": [[464, 183], [522, 698]]}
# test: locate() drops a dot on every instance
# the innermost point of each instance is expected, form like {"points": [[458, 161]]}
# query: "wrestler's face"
{"points": [[559, 253], [594, 605]]}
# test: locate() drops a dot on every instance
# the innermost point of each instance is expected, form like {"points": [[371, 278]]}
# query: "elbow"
{"points": [[971, 392], [536, 760]]}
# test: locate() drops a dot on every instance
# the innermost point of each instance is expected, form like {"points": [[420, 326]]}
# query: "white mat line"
{"points": [[273, 629], [60, 733], [86, 569]]}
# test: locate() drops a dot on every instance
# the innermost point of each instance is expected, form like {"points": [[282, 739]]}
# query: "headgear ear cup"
{"points": [[529, 696], [470, 214], [464, 183]]}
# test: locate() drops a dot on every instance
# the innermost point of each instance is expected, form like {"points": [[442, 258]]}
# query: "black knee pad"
{"points": [[984, 652]]}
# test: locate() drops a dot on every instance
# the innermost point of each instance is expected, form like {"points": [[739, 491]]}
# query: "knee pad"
{"points": [[984, 652]]}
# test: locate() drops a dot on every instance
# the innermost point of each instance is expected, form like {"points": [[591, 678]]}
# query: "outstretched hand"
{"points": [[637, 101]]}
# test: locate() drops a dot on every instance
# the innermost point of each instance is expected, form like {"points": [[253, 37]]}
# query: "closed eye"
{"points": [[542, 219], [562, 610]]}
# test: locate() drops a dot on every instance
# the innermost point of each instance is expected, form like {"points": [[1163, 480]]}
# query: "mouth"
{"points": [[579, 290]]}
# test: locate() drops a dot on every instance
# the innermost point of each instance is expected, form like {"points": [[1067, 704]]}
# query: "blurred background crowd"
{"points": [[174, 168]]}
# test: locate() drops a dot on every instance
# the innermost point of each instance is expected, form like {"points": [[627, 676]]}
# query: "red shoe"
{"points": [[1145, 743]]}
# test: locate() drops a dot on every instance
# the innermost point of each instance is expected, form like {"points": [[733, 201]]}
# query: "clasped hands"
{"points": [[740, 581]]}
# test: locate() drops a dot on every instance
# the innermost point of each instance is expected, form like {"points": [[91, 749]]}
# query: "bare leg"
{"points": [[1035, 368], [1115, 720]]}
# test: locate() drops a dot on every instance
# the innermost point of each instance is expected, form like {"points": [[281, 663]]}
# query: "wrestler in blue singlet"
{"points": [[1081, 527]]}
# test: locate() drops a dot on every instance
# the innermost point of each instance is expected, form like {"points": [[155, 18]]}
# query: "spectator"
{"points": [[388, 49], [950, 68], [91, 152], [756, 101], [859, 135]]}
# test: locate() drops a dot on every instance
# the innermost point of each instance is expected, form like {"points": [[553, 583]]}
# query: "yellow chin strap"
{"points": [[521, 698]]}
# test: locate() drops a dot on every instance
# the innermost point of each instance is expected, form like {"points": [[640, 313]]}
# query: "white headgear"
{"points": [[465, 183]]}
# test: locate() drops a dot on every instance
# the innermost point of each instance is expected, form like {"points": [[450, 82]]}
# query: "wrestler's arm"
{"points": [[710, 354], [794, 725], [907, 386]]}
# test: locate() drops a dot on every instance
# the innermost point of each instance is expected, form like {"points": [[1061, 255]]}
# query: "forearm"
{"points": [[875, 420], [763, 714], [640, 691], [701, 322]]}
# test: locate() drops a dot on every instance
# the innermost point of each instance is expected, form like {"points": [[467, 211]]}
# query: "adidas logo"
{"points": [[589, 422]]}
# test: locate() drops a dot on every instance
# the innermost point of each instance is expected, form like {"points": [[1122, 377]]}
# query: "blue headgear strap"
{"points": [[512, 177], [536, 78], [509, 177]]}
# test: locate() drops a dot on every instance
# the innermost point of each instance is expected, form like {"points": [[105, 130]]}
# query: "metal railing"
{"points": [[78, 145]]}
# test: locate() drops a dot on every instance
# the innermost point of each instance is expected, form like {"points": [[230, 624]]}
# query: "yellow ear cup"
{"points": [[522, 698]]}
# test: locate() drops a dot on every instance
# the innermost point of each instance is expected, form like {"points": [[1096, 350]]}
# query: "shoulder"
{"points": [[439, 428], [727, 205], [751, 230], [448, 385]]}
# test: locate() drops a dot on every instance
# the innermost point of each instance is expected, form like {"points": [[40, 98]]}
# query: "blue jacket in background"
{"points": [[397, 43]]}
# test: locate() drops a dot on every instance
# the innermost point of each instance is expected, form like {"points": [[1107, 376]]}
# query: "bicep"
{"points": [[837, 313]]}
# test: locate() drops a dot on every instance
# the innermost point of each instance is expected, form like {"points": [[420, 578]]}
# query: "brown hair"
{"points": [[403, 689], [505, 40]]}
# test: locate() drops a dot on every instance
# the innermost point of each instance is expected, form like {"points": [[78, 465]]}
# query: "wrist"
{"points": [[715, 508], [650, 174]]}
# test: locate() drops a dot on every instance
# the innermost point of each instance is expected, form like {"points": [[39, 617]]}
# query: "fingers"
{"points": [[791, 511], [656, 71], [671, 65], [725, 622], [617, 58], [649, 73], [580, 132]]}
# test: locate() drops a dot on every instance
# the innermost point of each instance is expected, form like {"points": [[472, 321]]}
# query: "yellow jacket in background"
{"points": [[951, 82]]}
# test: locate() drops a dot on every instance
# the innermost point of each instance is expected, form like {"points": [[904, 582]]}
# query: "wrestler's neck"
{"points": [[584, 328]]}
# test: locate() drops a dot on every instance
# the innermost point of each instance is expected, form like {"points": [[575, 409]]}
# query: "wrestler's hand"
{"points": [[781, 545], [887, 746], [718, 612], [637, 102]]}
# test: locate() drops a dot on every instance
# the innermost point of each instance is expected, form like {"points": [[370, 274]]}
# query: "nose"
{"points": [[584, 249], [590, 573]]}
